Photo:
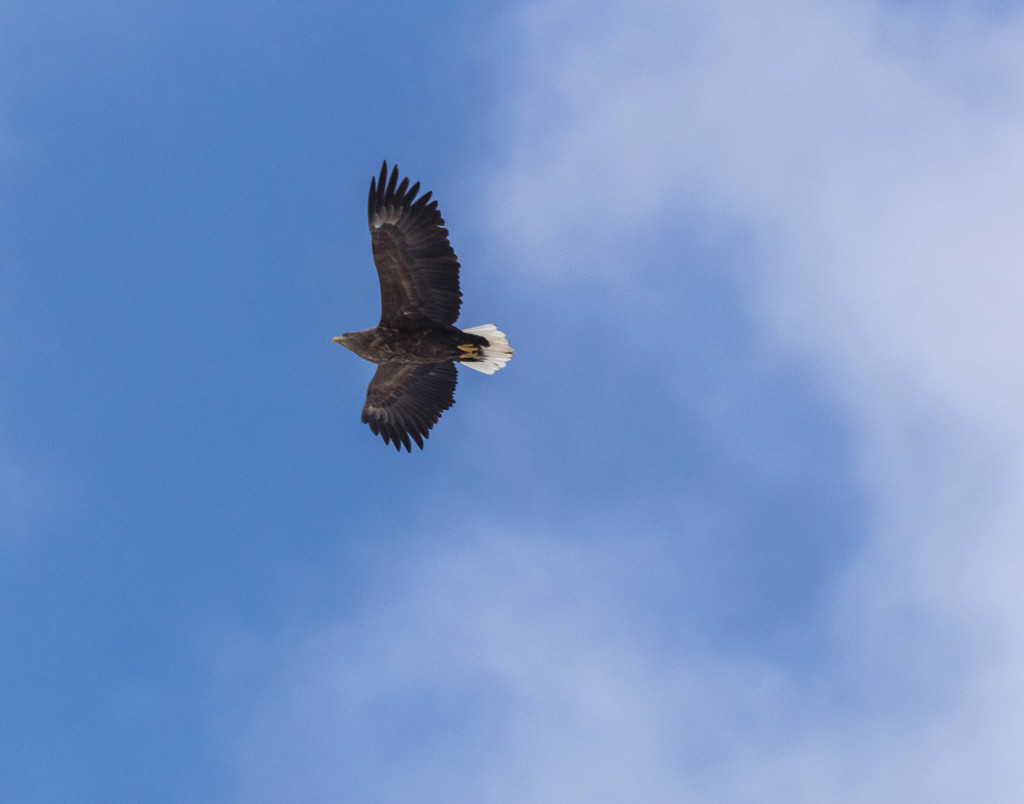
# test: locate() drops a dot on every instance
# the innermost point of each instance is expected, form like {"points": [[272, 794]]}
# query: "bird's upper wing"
{"points": [[417, 268], [405, 400]]}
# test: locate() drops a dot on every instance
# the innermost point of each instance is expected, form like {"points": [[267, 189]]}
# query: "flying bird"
{"points": [[416, 344]]}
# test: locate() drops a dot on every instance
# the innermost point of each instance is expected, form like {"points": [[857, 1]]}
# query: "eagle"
{"points": [[416, 344]]}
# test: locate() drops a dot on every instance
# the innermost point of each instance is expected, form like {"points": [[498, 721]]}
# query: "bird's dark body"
{"points": [[412, 346]]}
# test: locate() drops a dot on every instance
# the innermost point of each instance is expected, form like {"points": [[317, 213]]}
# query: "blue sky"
{"points": [[742, 520]]}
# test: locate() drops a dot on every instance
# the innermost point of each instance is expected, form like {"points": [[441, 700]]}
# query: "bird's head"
{"points": [[357, 342], [345, 340]]}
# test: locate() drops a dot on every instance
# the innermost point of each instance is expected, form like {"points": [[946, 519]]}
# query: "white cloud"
{"points": [[876, 154], [886, 196], [517, 668]]}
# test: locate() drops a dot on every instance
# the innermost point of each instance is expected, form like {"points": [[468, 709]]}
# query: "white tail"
{"points": [[495, 355]]}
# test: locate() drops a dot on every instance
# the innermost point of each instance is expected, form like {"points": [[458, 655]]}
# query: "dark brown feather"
{"points": [[416, 265], [405, 400]]}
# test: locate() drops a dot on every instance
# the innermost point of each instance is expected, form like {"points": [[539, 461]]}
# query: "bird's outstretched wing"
{"points": [[405, 400], [417, 268]]}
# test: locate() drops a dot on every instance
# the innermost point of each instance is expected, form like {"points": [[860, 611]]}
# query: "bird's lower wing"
{"points": [[405, 400]]}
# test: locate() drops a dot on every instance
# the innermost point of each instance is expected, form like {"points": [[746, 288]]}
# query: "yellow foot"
{"points": [[469, 350]]}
